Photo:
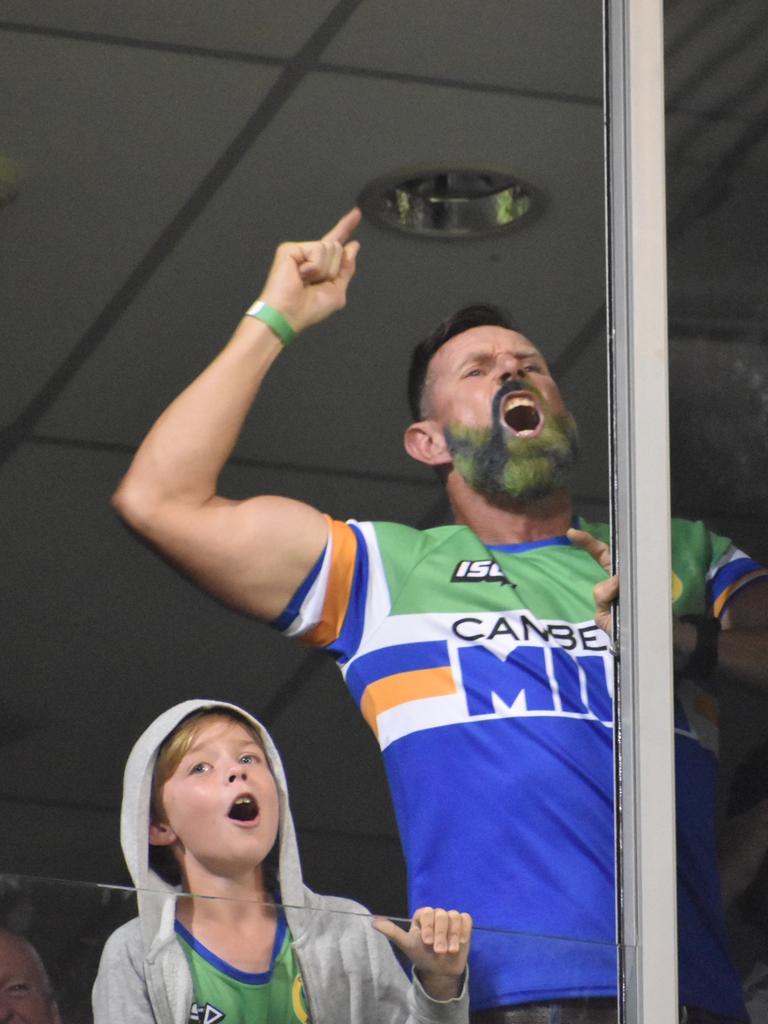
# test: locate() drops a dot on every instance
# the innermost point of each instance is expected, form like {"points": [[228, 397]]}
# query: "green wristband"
{"points": [[273, 319]]}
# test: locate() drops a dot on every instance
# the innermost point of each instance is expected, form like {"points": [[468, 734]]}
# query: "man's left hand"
{"points": [[605, 592]]}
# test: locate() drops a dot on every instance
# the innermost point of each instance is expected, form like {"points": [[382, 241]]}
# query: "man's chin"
{"points": [[510, 473], [514, 495], [519, 481]]}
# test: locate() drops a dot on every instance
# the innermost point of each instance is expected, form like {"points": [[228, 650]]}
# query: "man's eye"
{"points": [[248, 759], [199, 768], [474, 372], [19, 988]]}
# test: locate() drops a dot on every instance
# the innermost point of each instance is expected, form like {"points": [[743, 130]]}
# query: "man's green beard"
{"points": [[508, 470]]}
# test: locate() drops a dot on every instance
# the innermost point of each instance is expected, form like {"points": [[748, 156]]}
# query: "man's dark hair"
{"points": [[477, 315]]}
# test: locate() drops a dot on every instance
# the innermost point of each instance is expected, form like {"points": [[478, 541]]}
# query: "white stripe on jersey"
{"points": [[311, 610]]}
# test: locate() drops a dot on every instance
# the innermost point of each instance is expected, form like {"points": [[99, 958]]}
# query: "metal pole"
{"points": [[637, 333]]}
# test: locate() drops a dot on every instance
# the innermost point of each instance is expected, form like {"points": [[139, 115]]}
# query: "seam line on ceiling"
{"points": [[243, 461], [284, 87], [243, 57]]}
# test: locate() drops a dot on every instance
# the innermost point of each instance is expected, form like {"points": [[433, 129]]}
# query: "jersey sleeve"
{"points": [[329, 608], [708, 570], [729, 575]]}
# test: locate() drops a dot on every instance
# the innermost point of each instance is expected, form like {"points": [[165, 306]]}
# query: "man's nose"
{"points": [[511, 371], [236, 773]]}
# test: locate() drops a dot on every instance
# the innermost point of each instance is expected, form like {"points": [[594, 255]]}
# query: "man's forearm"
{"points": [[742, 655], [742, 652]]}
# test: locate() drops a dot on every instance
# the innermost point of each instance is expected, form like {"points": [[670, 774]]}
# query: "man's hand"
{"points": [[308, 280], [606, 591], [437, 943]]}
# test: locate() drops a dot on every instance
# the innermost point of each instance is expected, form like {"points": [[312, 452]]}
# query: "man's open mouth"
{"points": [[244, 808], [521, 414]]}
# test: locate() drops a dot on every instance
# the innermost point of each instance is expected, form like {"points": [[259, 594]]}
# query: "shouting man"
{"points": [[471, 649]]}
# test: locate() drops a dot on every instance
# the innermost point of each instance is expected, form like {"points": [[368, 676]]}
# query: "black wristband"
{"points": [[702, 661]]}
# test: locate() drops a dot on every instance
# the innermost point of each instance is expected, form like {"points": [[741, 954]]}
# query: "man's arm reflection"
{"points": [[744, 871]]}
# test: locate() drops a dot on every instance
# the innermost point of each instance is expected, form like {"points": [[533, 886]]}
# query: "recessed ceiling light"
{"points": [[449, 202]]}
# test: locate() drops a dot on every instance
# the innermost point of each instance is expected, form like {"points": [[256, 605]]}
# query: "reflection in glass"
{"points": [[26, 992], [541, 115], [69, 923], [718, 323]]}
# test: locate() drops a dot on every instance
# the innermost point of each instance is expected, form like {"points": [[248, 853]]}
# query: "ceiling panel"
{"points": [[719, 387], [699, 140], [531, 45], [716, 56], [79, 843], [105, 636], [110, 142], [550, 273], [332, 759], [584, 386], [250, 26]]}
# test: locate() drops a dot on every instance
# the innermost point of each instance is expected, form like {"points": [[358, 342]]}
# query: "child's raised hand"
{"points": [[437, 943]]}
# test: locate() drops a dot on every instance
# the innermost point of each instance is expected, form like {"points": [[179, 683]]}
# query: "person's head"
{"points": [[26, 996], [486, 405], [215, 805]]}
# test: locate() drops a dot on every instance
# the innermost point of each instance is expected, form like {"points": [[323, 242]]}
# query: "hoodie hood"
{"points": [[134, 816]]}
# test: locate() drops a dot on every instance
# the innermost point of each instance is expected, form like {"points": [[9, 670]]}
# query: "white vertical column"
{"points": [[640, 457]]}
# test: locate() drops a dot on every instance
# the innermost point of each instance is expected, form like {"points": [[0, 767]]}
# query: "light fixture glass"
{"points": [[449, 202]]}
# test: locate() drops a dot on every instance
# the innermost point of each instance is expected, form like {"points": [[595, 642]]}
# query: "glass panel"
{"points": [[717, 91], [153, 155], [53, 933]]}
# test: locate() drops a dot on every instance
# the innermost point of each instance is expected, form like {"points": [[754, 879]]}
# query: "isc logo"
{"points": [[478, 571]]}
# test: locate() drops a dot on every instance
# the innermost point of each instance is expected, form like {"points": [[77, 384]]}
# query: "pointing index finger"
{"points": [[344, 227]]}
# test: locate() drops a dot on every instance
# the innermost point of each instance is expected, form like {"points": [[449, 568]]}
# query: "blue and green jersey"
{"points": [[224, 993], [489, 687]]}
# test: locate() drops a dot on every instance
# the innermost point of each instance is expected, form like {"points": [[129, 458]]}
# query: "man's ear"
{"points": [[425, 442], [161, 834]]}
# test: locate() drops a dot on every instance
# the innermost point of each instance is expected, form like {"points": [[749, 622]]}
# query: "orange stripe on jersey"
{"points": [[706, 706], [403, 687], [336, 600], [728, 593]]}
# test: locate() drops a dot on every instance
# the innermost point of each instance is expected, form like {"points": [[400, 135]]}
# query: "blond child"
{"points": [[205, 812]]}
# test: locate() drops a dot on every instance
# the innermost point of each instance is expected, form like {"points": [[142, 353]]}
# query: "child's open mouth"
{"points": [[244, 808], [521, 415]]}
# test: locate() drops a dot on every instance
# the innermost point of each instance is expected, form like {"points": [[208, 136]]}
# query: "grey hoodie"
{"points": [[349, 971]]}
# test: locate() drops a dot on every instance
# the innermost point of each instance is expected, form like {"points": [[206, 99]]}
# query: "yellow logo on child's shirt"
{"points": [[299, 1000]]}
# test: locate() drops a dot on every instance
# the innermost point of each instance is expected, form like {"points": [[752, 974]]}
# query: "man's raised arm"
{"points": [[251, 554]]}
